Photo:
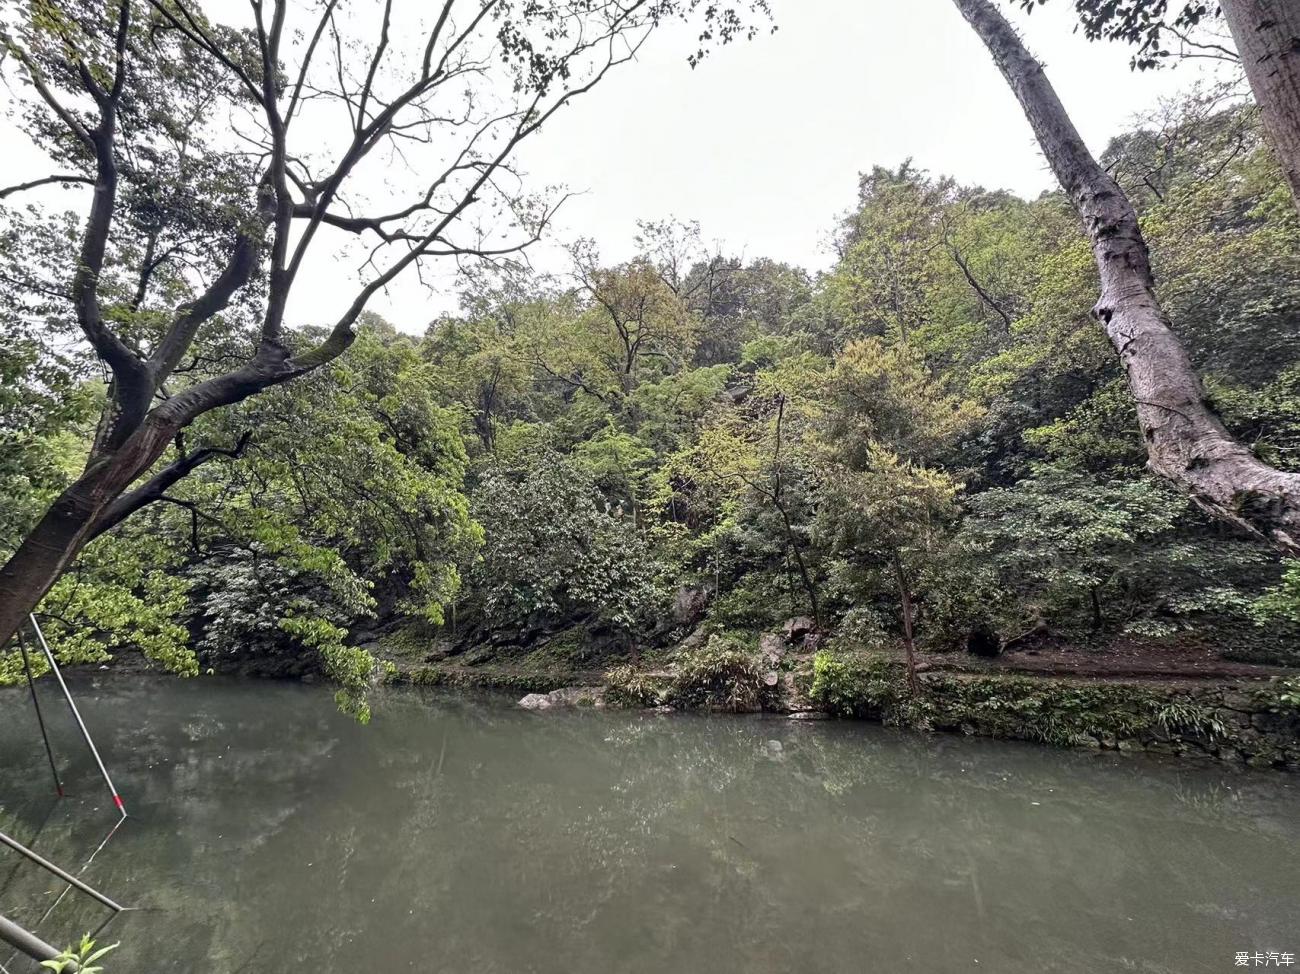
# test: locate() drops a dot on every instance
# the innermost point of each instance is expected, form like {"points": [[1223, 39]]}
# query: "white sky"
{"points": [[763, 143]]}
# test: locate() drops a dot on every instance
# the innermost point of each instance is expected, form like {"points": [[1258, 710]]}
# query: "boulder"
{"points": [[772, 646], [795, 629], [565, 697], [689, 605]]}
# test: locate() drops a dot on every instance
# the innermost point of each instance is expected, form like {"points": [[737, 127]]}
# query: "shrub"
{"points": [[863, 626], [858, 684], [626, 686], [723, 674]]}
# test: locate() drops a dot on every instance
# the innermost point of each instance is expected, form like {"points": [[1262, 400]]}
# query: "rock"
{"points": [[1261, 722], [813, 641], [808, 715], [565, 697], [771, 678], [1087, 740], [772, 646], [695, 640], [1239, 701], [795, 629], [689, 605]]}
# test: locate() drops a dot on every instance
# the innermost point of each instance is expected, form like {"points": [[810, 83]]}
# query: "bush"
{"points": [[626, 686], [723, 674], [863, 626], [554, 551], [858, 684]]}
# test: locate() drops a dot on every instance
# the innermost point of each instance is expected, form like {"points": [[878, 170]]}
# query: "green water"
{"points": [[269, 833]]}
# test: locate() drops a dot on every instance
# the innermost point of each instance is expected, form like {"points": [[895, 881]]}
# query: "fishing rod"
{"points": [[58, 675]]}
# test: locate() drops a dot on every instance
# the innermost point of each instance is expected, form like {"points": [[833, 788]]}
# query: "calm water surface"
{"points": [[269, 833]]}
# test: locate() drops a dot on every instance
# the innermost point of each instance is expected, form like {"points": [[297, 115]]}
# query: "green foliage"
{"points": [[1087, 551], [552, 551], [935, 422], [857, 684], [81, 958], [1283, 600], [1285, 695], [721, 674], [627, 686], [125, 591]]}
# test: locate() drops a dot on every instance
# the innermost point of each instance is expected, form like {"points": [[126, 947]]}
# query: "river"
{"points": [[270, 833]]}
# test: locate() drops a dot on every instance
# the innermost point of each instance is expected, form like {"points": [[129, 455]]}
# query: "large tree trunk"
{"points": [[1267, 35], [70, 523], [1186, 442]]}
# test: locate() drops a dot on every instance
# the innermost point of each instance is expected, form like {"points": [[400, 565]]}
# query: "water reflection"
{"points": [[469, 836]]}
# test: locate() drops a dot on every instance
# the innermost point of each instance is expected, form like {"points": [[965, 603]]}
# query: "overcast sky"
{"points": [[762, 144]]}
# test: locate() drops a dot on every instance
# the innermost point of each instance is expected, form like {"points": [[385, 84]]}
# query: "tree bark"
{"points": [[1186, 442], [97, 499], [1267, 35], [909, 642], [65, 528]]}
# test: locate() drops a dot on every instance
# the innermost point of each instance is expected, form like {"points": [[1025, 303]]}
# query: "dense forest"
{"points": [[929, 442]]}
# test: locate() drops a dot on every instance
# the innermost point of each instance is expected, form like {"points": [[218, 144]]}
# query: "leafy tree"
{"points": [[882, 506], [554, 551], [188, 223], [1263, 31], [1075, 547], [1186, 440]]}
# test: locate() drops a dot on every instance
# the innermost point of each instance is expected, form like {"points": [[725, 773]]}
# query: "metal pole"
{"points": [[30, 944], [31, 685], [67, 877], [117, 799]]}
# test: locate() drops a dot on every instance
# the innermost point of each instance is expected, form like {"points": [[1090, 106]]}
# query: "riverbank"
{"points": [[1191, 706]]}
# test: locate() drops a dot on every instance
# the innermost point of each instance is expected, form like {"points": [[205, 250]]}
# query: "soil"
{"points": [[1122, 659]]}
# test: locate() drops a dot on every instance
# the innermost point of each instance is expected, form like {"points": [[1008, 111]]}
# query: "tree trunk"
{"points": [[1186, 442], [1267, 35], [909, 643], [68, 525]]}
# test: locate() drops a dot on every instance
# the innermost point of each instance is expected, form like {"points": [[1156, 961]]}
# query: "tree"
{"points": [[1186, 441], [189, 220], [553, 552], [885, 501], [1265, 32]]}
